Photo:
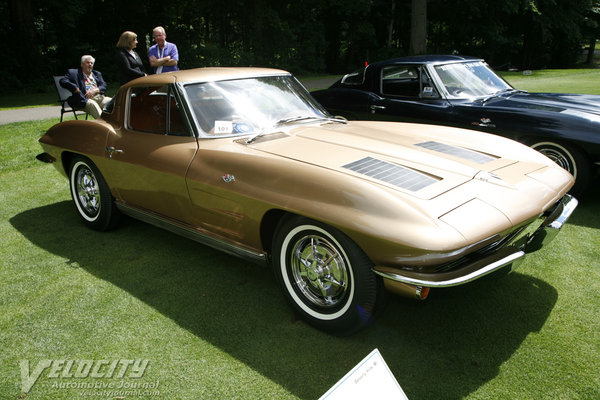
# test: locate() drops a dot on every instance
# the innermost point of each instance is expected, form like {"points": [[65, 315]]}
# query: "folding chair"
{"points": [[63, 95]]}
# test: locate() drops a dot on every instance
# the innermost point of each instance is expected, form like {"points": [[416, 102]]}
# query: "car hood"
{"points": [[443, 168], [576, 105]]}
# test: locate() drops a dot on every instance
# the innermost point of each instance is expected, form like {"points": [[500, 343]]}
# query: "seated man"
{"points": [[87, 86]]}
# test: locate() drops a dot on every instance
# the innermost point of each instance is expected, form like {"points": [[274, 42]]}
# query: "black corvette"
{"points": [[466, 92]]}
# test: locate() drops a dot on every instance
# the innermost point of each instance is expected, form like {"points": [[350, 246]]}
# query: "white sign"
{"points": [[223, 127], [369, 379]]}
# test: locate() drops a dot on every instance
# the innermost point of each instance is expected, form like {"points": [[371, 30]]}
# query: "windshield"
{"points": [[250, 106], [472, 79]]}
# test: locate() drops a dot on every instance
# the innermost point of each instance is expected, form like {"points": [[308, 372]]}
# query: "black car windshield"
{"points": [[250, 106], [470, 79]]}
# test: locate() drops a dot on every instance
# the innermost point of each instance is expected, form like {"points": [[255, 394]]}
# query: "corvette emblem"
{"points": [[228, 178], [484, 122], [490, 177], [487, 176]]}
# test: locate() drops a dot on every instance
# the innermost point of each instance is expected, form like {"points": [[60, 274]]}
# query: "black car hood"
{"points": [[574, 104]]}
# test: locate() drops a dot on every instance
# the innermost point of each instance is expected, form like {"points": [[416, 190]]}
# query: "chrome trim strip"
{"points": [[193, 234], [456, 281]]}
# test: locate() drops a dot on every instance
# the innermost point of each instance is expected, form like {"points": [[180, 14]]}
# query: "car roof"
{"points": [[426, 59], [208, 74]]}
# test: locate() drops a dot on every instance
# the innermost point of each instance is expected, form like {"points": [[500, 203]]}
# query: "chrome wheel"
{"points": [[319, 271], [569, 157], [325, 276], [559, 155], [91, 195], [88, 192]]}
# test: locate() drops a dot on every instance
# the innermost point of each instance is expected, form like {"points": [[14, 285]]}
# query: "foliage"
{"points": [[47, 37]]}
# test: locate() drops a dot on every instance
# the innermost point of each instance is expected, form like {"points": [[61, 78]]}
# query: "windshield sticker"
{"points": [[223, 127], [427, 89]]}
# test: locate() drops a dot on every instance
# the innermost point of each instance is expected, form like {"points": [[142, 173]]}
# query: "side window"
{"points": [[153, 109], [406, 81], [355, 78], [400, 80]]}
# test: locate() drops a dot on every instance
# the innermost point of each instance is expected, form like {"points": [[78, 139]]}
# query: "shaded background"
{"points": [[45, 37]]}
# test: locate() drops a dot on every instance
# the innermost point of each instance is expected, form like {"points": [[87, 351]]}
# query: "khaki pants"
{"points": [[95, 105]]}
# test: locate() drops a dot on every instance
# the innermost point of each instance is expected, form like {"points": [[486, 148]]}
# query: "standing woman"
{"points": [[129, 62]]}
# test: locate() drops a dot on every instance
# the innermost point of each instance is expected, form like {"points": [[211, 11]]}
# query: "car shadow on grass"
{"points": [[445, 347]]}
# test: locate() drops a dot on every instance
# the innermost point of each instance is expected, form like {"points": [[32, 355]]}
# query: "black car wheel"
{"points": [[326, 277], [570, 158], [91, 195]]}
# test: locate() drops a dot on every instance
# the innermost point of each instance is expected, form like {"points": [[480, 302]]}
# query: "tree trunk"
{"points": [[591, 50], [418, 27], [391, 25]]}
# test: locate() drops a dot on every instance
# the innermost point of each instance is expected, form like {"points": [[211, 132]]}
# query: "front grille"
{"points": [[392, 174], [484, 251]]}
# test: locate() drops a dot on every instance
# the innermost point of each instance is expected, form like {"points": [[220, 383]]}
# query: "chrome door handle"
{"points": [[375, 108], [110, 150]]}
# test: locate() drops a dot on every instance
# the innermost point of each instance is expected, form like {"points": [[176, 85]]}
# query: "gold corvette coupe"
{"points": [[244, 160]]}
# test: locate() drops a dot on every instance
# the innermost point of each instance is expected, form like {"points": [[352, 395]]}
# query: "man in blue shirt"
{"points": [[163, 56]]}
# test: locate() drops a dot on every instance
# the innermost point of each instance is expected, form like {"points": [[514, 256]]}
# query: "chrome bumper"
{"points": [[510, 254], [552, 224]]}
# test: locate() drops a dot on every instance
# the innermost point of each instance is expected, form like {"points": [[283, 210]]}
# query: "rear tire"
{"points": [[91, 195], [324, 275]]}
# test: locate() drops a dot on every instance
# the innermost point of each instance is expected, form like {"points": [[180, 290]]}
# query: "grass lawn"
{"points": [[586, 81], [211, 326]]}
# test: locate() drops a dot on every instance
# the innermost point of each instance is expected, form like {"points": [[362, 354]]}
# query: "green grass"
{"points": [[586, 81], [216, 327]]}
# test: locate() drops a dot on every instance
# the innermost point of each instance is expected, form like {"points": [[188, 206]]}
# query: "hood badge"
{"points": [[490, 177], [227, 178], [484, 123]]}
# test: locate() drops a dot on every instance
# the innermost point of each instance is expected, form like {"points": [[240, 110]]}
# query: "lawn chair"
{"points": [[63, 95]]}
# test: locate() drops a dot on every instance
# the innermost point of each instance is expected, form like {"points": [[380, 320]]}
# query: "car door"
{"points": [[408, 94], [150, 155]]}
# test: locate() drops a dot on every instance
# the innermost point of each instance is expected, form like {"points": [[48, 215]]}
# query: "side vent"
{"points": [[465, 154], [392, 174]]}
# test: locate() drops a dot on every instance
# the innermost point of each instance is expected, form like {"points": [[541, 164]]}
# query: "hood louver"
{"points": [[459, 152], [392, 174]]}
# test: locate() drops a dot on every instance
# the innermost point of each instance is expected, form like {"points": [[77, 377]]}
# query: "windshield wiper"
{"points": [[340, 120], [284, 121], [491, 96], [515, 91], [498, 93], [256, 135]]}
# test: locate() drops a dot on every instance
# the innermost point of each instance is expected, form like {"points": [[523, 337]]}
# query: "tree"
{"points": [[418, 27], [591, 29]]}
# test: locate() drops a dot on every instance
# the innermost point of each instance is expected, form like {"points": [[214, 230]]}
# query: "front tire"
{"points": [[325, 276], [570, 158], [91, 195]]}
